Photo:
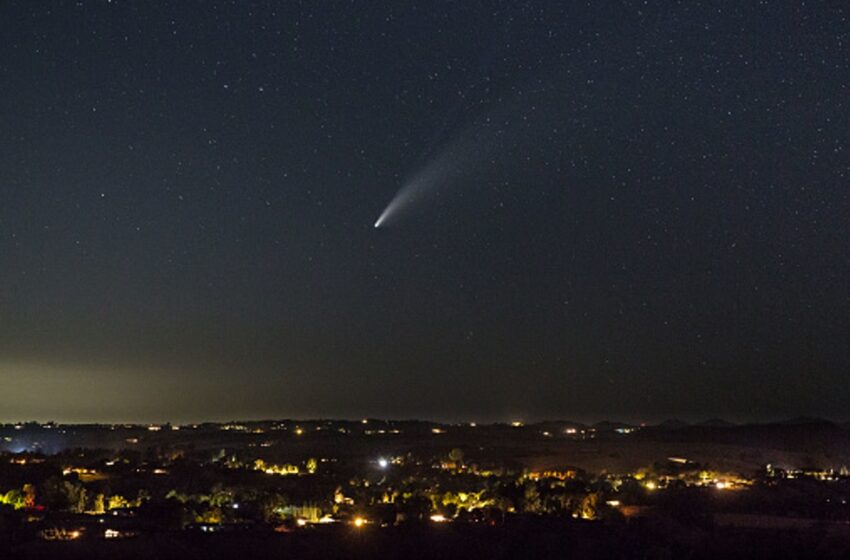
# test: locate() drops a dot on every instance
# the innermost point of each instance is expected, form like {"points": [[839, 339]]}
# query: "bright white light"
{"points": [[383, 463], [437, 518], [391, 208], [386, 213]]}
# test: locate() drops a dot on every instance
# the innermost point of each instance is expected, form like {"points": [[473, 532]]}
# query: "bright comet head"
{"points": [[380, 221], [388, 211]]}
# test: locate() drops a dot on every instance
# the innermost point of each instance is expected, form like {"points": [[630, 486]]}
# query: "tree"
{"points": [[531, 501], [64, 494], [13, 498], [29, 496], [75, 496], [117, 502], [98, 505], [415, 507], [456, 455], [270, 505], [589, 507]]}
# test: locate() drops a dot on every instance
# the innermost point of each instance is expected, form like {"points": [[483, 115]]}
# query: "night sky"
{"points": [[606, 209]]}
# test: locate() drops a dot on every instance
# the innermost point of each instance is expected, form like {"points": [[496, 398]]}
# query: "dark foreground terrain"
{"points": [[538, 539], [384, 489]]}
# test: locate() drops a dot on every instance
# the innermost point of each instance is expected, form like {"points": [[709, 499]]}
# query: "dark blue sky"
{"points": [[638, 210]]}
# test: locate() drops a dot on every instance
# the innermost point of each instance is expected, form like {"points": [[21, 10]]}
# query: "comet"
{"points": [[456, 161], [472, 158]]}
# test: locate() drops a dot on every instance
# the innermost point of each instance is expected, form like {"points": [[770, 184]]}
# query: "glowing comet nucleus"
{"points": [[381, 218], [393, 206]]}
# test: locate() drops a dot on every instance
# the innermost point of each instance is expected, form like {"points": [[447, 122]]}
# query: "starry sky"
{"points": [[609, 209]]}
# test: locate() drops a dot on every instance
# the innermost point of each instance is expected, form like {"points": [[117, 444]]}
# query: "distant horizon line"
{"points": [[516, 422]]}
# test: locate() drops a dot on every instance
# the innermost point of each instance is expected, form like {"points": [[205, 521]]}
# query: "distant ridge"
{"points": [[716, 423], [609, 426], [805, 420], [672, 424], [560, 425]]}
